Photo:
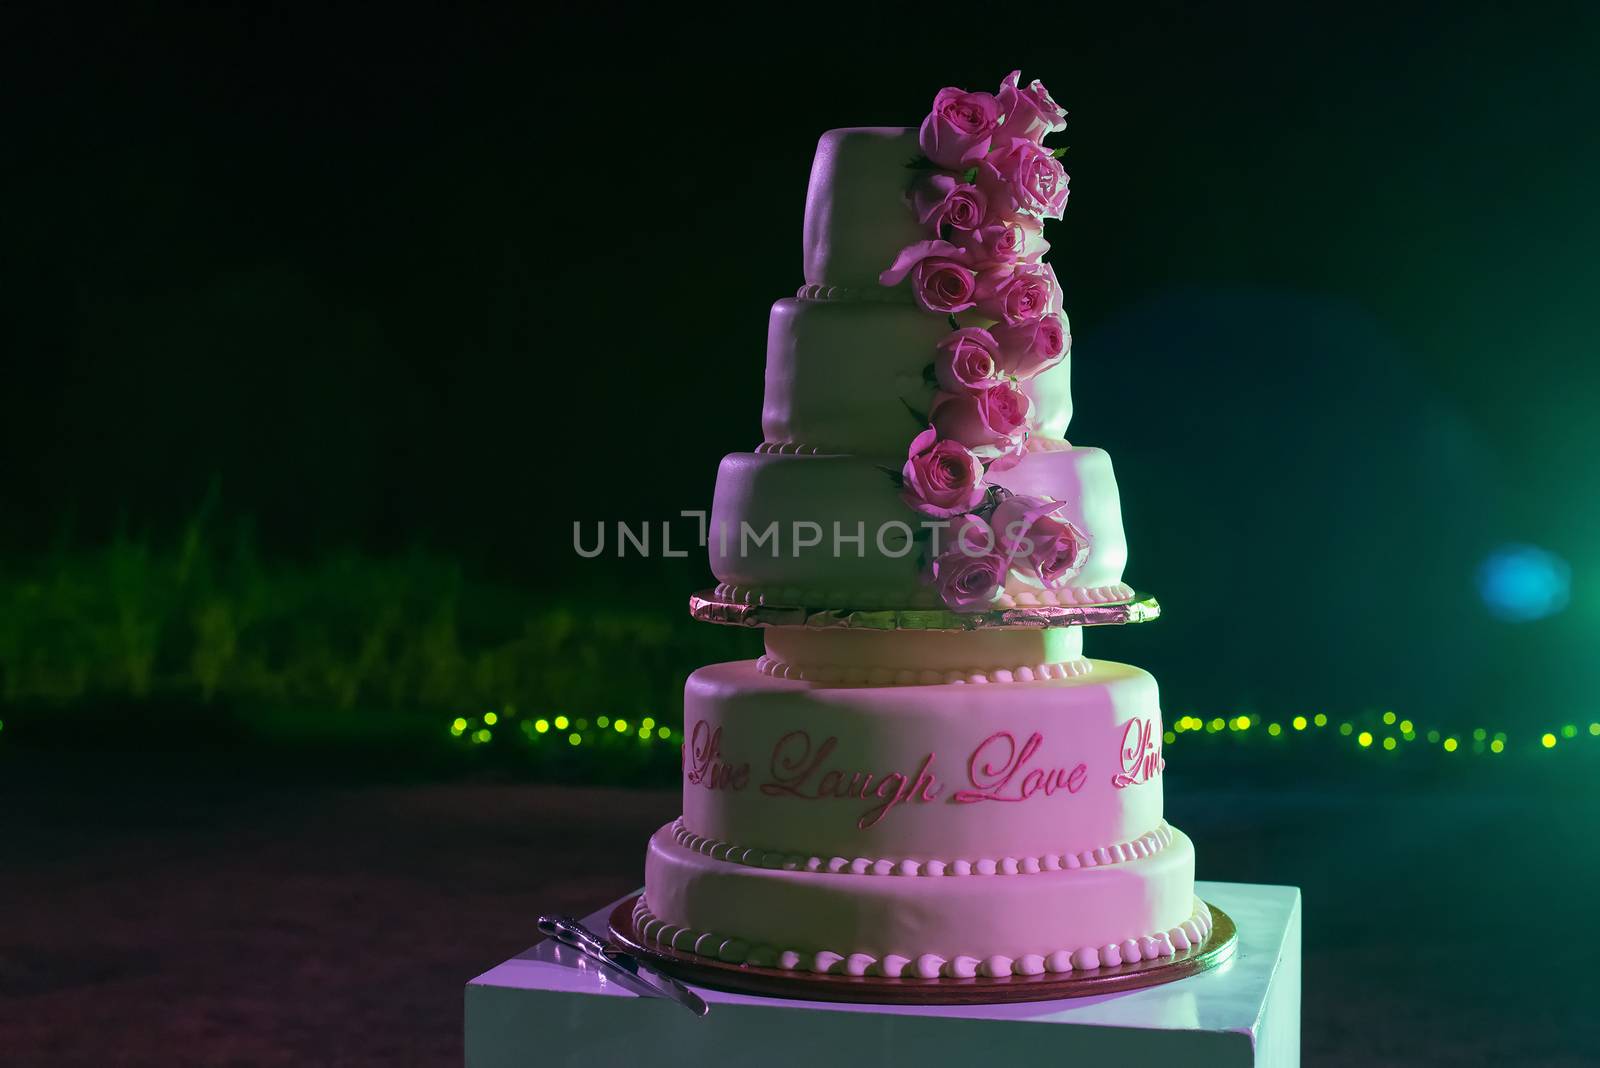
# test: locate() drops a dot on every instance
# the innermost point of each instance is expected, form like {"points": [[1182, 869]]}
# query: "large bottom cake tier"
{"points": [[954, 926]]}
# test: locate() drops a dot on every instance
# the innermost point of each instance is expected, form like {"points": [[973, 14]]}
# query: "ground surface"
{"points": [[177, 915]]}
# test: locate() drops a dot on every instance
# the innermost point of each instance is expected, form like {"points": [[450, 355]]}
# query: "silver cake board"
{"points": [[550, 1006], [707, 607]]}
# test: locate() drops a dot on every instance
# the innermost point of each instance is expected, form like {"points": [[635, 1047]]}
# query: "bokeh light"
{"points": [[1522, 583]]}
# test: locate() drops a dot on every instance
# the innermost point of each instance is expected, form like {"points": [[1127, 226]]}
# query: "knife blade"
{"points": [[638, 976]]}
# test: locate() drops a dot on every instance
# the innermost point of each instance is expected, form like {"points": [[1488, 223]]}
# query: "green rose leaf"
{"points": [[920, 417]]}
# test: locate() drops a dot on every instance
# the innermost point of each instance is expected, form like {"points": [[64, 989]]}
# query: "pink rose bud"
{"points": [[941, 478], [1016, 293], [969, 571], [1043, 548], [957, 132], [967, 360], [1029, 114], [989, 421], [939, 200], [1030, 346]]}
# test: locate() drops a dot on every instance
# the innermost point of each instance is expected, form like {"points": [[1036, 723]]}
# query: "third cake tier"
{"points": [[1023, 755]]}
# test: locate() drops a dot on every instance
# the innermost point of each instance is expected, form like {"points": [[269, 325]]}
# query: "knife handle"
{"points": [[570, 932]]}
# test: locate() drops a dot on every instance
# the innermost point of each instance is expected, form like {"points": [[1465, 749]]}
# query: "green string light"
{"points": [[647, 733]]}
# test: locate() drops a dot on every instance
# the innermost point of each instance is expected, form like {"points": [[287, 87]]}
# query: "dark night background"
{"points": [[317, 333]]}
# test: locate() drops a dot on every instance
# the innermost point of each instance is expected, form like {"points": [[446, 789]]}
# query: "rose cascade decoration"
{"points": [[985, 184]]}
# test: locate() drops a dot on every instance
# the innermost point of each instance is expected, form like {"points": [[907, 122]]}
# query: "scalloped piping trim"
{"points": [[1191, 932], [1144, 846], [872, 295], [768, 447], [1070, 595], [882, 676], [789, 595], [798, 448]]}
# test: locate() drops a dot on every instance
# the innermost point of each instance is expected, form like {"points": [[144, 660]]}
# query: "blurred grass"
{"points": [[200, 642], [336, 648]]}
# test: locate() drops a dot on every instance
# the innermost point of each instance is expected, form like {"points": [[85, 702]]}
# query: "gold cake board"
{"points": [[872, 989], [708, 608]]}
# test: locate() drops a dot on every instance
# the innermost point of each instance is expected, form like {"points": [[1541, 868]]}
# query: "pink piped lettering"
{"points": [[795, 770], [703, 764], [1140, 754], [997, 761]]}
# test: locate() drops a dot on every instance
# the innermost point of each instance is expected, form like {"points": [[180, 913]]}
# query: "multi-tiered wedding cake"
{"points": [[952, 790]]}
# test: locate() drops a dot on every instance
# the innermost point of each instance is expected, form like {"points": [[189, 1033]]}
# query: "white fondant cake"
{"points": [[923, 803], [841, 374]]}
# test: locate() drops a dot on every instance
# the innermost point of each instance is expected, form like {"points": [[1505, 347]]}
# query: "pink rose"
{"points": [[1026, 175], [941, 478], [990, 422], [906, 260], [1031, 346], [1042, 547], [967, 360], [1018, 240], [944, 286], [970, 570], [940, 200], [956, 133], [1015, 294], [940, 279], [1029, 113]]}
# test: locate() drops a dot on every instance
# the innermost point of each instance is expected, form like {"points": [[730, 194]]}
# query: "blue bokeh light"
{"points": [[1521, 583]]}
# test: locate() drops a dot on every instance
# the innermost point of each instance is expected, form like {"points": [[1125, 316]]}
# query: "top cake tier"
{"points": [[854, 220]]}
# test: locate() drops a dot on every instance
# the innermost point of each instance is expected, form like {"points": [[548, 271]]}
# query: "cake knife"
{"points": [[637, 975]]}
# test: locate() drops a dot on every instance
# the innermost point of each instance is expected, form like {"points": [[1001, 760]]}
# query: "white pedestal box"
{"points": [[549, 1006]]}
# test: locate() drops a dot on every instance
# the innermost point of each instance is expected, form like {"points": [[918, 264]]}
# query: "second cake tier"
{"points": [[833, 531], [977, 776]]}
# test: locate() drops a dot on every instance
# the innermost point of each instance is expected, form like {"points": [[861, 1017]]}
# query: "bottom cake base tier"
{"points": [[949, 926]]}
